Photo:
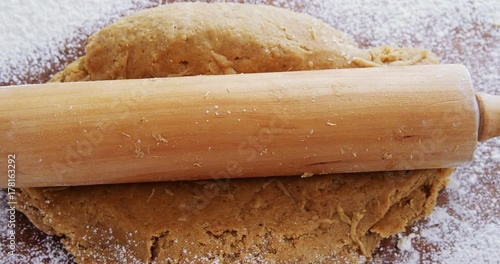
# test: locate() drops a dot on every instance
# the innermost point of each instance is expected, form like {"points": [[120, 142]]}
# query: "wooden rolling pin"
{"points": [[246, 125]]}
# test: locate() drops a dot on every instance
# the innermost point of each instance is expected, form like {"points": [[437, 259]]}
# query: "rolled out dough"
{"points": [[287, 219]]}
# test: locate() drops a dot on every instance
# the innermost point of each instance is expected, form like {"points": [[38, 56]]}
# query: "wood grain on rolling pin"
{"points": [[247, 125]]}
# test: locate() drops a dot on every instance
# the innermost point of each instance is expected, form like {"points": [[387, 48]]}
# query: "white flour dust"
{"points": [[465, 228]]}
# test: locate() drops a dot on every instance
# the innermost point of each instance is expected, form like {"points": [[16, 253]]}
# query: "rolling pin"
{"points": [[246, 125]]}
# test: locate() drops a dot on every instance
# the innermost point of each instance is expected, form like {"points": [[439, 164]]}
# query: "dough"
{"points": [[199, 38], [326, 218]]}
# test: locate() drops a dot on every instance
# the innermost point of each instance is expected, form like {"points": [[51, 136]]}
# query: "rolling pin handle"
{"points": [[489, 112]]}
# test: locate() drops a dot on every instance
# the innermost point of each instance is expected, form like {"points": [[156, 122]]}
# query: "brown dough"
{"points": [[287, 219]]}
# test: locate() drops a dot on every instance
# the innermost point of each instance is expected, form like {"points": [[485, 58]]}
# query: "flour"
{"points": [[35, 34], [468, 226], [464, 228], [404, 242]]}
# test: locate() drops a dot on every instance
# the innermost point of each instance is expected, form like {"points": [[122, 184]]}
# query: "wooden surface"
{"points": [[34, 245]]}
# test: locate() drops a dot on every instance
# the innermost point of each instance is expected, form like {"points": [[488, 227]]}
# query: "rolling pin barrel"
{"points": [[245, 125]]}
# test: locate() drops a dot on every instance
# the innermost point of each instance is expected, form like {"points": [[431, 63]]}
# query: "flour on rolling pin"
{"points": [[460, 229]]}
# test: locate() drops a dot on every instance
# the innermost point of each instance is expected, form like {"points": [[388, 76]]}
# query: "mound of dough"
{"points": [[196, 38], [286, 219]]}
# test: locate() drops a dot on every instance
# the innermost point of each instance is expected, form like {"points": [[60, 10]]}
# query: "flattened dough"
{"points": [[287, 219]]}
